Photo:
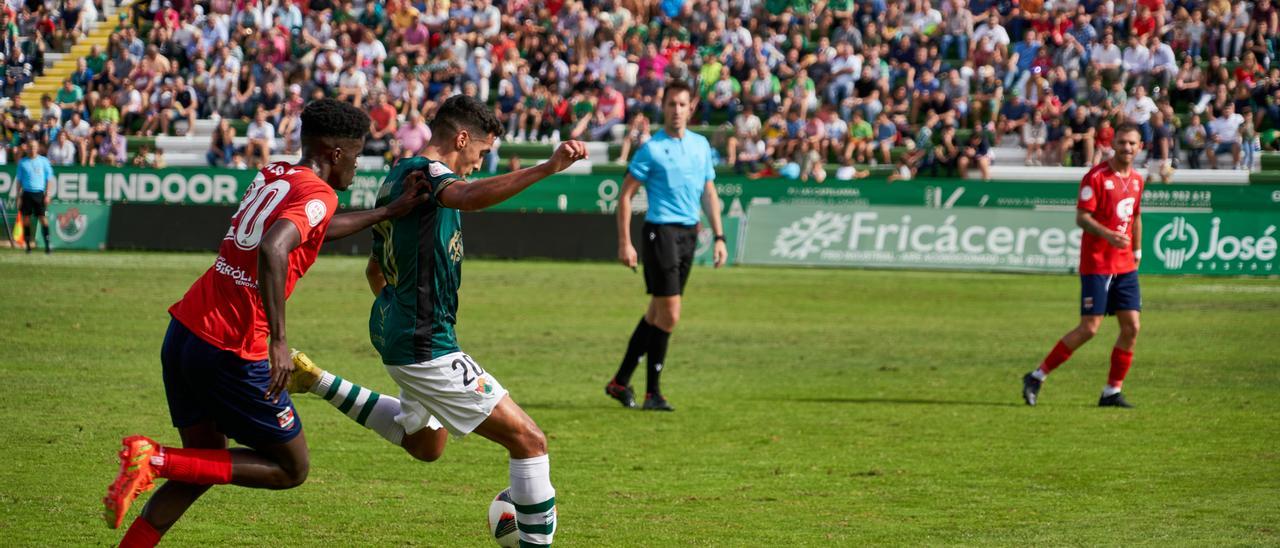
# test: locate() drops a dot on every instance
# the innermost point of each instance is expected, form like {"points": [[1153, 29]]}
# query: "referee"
{"points": [[34, 175], [676, 170]]}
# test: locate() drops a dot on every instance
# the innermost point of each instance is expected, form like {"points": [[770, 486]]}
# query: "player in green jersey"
{"points": [[415, 272]]}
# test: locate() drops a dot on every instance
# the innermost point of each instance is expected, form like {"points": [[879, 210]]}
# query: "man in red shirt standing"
{"points": [[1109, 211], [225, 357]]}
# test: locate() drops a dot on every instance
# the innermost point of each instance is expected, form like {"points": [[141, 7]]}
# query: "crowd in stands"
{"points": [[795, 84]]}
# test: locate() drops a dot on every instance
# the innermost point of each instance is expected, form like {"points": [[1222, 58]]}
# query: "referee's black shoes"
{"points": [[623, 394], [655, 402]]}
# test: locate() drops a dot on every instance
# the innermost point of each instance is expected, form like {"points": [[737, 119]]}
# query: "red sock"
{"points": [[1121, 359], [140, 535], [1059, 354], [198, 466]]}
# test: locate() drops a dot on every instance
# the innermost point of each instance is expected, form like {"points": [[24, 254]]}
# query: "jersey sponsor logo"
{"points": [[1124, 209], [1086, 193], [239, 275], [285, 418], [315, 212], [437, 169]]}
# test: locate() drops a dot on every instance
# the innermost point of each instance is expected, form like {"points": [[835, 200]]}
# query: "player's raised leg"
{"points": [[531, 490], [370, 409]]}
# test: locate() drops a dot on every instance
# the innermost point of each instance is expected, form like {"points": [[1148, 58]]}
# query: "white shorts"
{"points": [[452, 390]]}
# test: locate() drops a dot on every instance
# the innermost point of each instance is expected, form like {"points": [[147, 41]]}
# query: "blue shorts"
{"points": [[206, 383], [1104, 294]]}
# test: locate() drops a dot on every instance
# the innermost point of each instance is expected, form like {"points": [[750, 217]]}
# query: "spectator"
{"points": [[62, 152], [1078, 144], [1160, 156], [638, 133], [976, 152], [382, 127], [80, 132], [111, 150], [50, 108], [412, 137], [1224, 134], [1034, 136], [262, 139], [222, 146], [1138, 110], [69, 98], [1195, 137]]}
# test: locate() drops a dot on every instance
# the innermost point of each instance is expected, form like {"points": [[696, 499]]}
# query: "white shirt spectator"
{"points": [[1137, 59], [62, 152], [747, 125], [1227, 128], [996, 32], [372, 55], [1138, 110], [489, 21], [82, 131], [853, 62], [1104, 55], [264, 131]]}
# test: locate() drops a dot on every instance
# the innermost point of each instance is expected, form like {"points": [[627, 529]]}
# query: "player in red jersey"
{"points": [[1109, 211], [225, 357]]}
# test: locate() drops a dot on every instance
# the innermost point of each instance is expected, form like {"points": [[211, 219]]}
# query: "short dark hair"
{"points": [[463, 112], [1126, 128], [334, 118], [676, 86]]}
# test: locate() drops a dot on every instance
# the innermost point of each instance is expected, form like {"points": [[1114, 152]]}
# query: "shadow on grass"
{"points": [[906, 401]]}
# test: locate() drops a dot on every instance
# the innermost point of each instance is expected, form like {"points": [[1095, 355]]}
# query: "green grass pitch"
{"points": [[816, 407]]}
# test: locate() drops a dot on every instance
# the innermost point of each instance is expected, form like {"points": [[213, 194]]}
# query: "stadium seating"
{"points": [[544, 57]]}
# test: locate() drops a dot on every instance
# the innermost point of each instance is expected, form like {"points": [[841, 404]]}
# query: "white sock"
{"points": [[372, 410], [1038, 374], [1109, 390], [535, 500]]}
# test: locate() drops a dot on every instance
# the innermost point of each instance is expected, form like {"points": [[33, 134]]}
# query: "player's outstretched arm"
{"points": [[273, 264], [414, 194], [484, 193]]}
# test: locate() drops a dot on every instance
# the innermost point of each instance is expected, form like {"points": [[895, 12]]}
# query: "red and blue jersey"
{"points": [[1115, 202], [224, 307]]}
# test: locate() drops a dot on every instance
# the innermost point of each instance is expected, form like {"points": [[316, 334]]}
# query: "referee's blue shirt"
{"points": [[675, 173], [34, 173]]}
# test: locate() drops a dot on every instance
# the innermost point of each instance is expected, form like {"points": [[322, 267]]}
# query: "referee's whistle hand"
{"points": [[627, 256], [567, 153]]}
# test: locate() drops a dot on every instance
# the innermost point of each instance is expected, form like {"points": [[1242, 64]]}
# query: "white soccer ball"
{"points": [[502, 520]]}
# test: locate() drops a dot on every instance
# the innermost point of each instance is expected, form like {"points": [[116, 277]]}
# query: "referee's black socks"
{"points": [[637, 347], [658, 340]]}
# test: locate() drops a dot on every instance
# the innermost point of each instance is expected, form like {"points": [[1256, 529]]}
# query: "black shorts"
{"points": [[32, 204], [668, 257]]}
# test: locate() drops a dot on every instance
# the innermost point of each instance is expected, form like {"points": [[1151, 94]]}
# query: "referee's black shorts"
{"points": [[32, 204], [668, 257]]}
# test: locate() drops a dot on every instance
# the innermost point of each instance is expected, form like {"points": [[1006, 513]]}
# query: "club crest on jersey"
{"points": [[285, 418], [437, 169], [1109, 184], [315, 212]]}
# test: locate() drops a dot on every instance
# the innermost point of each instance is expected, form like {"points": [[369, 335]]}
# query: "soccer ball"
{"points": [[502, 520]]}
